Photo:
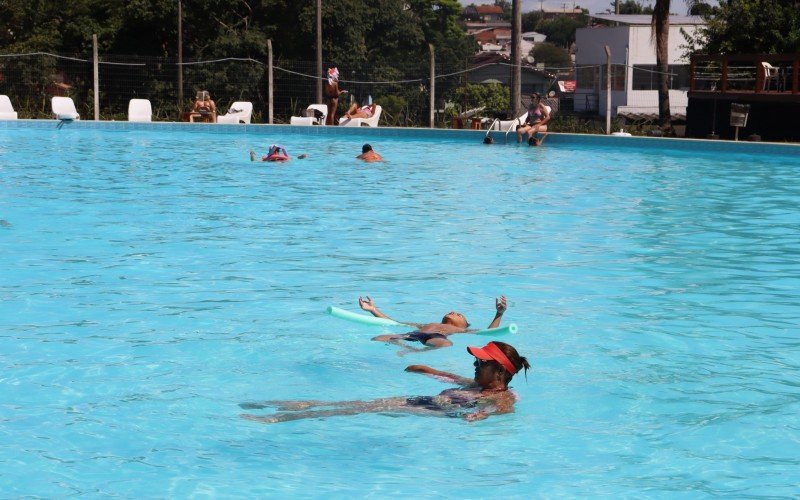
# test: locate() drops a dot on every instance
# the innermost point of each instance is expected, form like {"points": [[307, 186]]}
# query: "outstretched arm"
{"points": [[450, 377], [369, 305], [501, 306]]}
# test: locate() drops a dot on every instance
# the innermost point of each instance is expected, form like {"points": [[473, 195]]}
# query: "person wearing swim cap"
{"points": [[431, 335], [368, 154], [477, 398]]}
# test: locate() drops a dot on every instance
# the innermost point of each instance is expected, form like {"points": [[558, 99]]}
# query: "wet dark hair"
{"points": [[488, 139], [365, 148], [520, 362]]}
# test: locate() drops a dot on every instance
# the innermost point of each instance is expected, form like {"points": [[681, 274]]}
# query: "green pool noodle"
{"points": [[501, 330], [360, 318]]}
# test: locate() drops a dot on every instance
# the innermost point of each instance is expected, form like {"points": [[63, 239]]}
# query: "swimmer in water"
{"points": [[432, 335], [475, 399]]}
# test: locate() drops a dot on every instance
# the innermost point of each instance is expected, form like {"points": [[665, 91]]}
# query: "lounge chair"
{"points": [[310, 116], [239, 112], [357, 122], [6, 109], [506, 125], [64, 109], [140, 110]]}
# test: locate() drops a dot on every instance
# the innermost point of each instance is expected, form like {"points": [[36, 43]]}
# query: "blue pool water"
{"points": [[152, 282]]}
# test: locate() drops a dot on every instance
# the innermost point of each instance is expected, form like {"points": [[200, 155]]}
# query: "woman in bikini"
{"points": [[536, 122], [475, 399], [432, 335], [357, 111]]}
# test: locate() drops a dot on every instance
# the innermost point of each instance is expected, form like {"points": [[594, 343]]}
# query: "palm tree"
{"points": [[660, 32]]}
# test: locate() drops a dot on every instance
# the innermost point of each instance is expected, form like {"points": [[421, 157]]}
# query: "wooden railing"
{"points": [[746, 73]]}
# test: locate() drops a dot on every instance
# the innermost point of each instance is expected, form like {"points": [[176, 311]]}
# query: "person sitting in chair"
{"points": [[204, 108], [536, 122]]}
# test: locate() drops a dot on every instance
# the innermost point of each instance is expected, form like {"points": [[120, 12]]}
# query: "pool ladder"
{"points": [[491, 127]]}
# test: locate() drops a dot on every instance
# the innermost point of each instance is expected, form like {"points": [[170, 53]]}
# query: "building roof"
{"points": [[646, 19], [488, 9]]}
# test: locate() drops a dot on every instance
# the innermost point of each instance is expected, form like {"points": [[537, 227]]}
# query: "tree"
{"points": [[751, 26], [561, 30], [702, 9], [551, 55], [531, 20], [631, 7], [661, 35], [506, 6]]}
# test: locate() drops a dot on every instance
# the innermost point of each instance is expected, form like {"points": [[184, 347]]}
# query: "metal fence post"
{"points": [[608, 89], [433, 85], [96, 75], [269, 81]]}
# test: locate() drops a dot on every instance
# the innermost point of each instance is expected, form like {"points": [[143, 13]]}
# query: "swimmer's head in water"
{"points": [[455, 319], [498, 358], [488, 140], [366, 148]]}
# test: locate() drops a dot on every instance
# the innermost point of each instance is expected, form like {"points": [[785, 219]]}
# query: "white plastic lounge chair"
{"points": [[311, 120], [6, 109], [140, 110], [506, 125], [357, 122], [239, 112], [64, 109]]}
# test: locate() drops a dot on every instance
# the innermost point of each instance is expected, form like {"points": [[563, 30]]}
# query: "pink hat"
{"points": [[490, 352]]}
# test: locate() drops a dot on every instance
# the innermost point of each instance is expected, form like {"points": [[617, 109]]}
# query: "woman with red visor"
{"points": [[475, 399], [432, 335]]}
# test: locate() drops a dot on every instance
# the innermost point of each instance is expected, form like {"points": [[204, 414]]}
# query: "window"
{"points": [[617, 77], [645, 77], [587, 77]]}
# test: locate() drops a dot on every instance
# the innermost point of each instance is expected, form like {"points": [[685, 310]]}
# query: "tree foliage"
{"points": [[561, 30], [750, 27], [631, 7], [551, 55]]}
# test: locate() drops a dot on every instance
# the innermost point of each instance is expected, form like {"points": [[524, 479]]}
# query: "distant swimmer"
{"points": [[431, 335], [476, 398], [276, 153], [368, 154]]}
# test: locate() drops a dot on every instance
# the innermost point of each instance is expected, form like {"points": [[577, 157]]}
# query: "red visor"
{"points": [[490, 352]]}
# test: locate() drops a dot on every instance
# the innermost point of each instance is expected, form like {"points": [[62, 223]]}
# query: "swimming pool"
{"points": [[153, 281]]}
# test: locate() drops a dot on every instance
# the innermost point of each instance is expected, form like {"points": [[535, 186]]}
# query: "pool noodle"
{"points": [[360, 318], [501, 330], [372, 320]]}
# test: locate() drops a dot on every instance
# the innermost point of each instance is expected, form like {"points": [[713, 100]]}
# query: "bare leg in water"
{"points": [[291, 410]]}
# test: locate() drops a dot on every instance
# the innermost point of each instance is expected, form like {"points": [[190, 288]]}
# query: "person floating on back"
{"points": [[431, 335], [368, 154]]}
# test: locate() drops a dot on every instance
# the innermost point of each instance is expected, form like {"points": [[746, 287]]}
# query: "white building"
{"points": [[634, 76]]}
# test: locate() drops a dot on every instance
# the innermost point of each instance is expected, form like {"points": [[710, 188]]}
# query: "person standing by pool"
{"points": [[332, 93], [368, 154], [477, 398], [432, 335]]}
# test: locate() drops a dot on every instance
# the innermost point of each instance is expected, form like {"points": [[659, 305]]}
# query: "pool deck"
{"points": [[465, 135]]}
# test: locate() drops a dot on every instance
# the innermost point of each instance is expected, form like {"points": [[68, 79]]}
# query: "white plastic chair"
{"points": [[6, 109], [311, 120], [770, 74], [239, 112], [357, 122], [506, 125], [140, 110], [64, 109]]}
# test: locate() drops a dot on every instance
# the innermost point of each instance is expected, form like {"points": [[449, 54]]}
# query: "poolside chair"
{"points": [[239, 112], [6, 109], [64, 109], [506, 125], [770, 74], [140, 110], [314, 114], [357, 122]]}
